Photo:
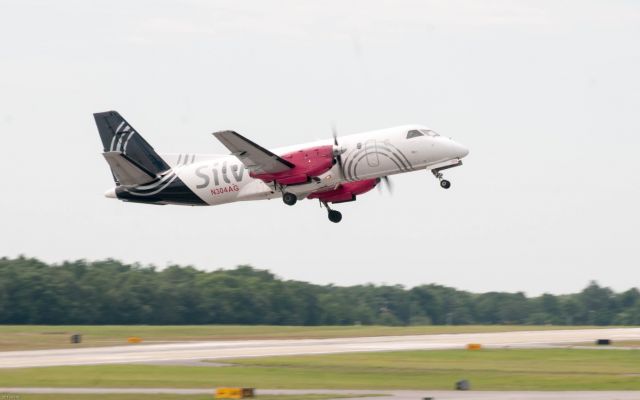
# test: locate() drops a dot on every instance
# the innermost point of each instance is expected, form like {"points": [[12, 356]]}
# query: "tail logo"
{"points": [[120, 139]]}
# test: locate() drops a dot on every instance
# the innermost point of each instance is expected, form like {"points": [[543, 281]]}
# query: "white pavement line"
{"points": [[214, 350]]}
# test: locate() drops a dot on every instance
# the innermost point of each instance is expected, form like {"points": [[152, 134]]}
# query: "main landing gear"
{"points": [[445, 184], [334, 215], [289, 198]]}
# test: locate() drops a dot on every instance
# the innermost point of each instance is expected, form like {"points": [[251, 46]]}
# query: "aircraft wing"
{"points": [[255, 158]]}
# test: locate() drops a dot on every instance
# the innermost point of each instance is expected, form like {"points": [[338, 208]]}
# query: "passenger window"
{"points": [[359, 146], [414, 133]]}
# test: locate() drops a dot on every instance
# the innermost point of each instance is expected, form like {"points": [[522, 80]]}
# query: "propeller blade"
{"points": [[385, 181], [337, 150]]}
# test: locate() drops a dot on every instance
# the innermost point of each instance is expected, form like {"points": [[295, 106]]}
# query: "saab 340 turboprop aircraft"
{"points": [[331, 171]]}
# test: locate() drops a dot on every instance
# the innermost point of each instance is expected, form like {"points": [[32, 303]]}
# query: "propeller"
{"points": [[386, 182], [337, 151]]}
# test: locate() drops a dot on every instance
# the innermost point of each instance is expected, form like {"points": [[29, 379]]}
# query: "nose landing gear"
{"points": [[445, 184]]}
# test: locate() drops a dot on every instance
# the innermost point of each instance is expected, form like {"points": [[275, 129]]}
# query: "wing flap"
{"points": [[255, 158]]}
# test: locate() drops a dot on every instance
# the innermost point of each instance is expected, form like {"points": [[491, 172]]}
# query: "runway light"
{"points": [[134, 339], [474, 346]]}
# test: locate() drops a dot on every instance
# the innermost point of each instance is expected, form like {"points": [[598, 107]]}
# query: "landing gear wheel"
{"points": [[445, 184], [335, 216], [289, 198]]}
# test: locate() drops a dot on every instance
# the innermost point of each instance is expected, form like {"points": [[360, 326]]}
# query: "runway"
{"points": [[217, 350], [361, 394]]}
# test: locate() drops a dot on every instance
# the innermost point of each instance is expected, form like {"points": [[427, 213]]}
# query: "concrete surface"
{"points": [[218, 350]]}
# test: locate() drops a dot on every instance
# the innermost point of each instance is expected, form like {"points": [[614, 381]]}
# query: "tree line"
{"points": [[111, 292]]}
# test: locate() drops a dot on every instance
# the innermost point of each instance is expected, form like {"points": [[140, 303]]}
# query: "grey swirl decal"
{"points": [[119, 134], [161, 183], [355, 157]]}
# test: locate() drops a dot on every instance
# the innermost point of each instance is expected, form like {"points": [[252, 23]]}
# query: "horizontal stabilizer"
{"points": [[126, 171]]}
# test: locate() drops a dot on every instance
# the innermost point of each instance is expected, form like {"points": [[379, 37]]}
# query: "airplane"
{"points": [[331, 171]]}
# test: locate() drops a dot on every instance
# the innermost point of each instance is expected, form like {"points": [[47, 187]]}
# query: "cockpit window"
{"points": [[429, 132], [414, 133]]}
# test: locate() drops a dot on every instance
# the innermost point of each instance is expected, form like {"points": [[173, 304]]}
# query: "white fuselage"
{"points": [[220, 179]]}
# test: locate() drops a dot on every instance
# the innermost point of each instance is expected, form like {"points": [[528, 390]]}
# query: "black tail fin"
{"points": [[119, 137]]}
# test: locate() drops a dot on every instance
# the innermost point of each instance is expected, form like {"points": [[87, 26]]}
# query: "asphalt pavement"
{"points": [[220, 350]]}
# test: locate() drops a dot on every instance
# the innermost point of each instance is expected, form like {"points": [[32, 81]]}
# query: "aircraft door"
{"points": [[371, 148]]}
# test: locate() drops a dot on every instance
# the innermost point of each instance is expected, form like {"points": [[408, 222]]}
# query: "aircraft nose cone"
{"points": [[458, 150], [462, 151]]}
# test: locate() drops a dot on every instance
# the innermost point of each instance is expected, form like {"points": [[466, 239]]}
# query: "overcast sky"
{"points": [[546, 94]]}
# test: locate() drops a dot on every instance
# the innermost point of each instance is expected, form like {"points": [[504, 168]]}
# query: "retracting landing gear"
{"points": [[334, 216], [289, 198], [445, 184]]}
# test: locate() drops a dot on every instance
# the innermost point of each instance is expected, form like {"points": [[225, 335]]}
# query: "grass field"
{"points": [[514, 369], [26, 337], [626, 343]]}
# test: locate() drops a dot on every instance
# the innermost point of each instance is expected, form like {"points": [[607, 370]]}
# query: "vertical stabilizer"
{"points": [[121, 142]]}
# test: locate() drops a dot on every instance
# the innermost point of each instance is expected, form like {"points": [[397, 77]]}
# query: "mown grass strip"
{"points": [[535, 369]]}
